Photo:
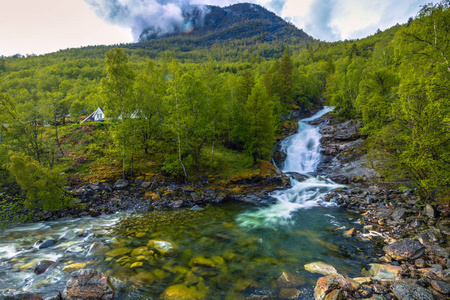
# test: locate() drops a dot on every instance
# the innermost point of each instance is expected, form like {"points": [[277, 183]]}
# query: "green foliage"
{"points": [[180, 107], [12, 210], [44, 187], [260, 130]]}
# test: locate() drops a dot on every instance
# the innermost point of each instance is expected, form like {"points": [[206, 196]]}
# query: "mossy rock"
{"points": [[136, 264], [164, 247], [202, 261], [182, 292], [142, 278], [74, 267], [139, 251], [118, 252]]}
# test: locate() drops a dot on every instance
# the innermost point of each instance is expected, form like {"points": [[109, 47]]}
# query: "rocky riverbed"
{"points": [[416, 263]]}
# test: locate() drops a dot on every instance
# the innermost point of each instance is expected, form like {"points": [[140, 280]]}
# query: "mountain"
{"points": [[211, 24]]}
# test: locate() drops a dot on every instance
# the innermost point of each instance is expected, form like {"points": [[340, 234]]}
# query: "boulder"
{"points": [[287, 280], [349, 233], [42, 266], [279, 156], [88, 284], [429, 211], [382, 272], [201, 261], [409, 291], [334, 295], [290, 293], [182, 292], [405, 249], [297, 176], [399, 214], [67, 235], [441, 286], [329, 283], [26, 296], [320, 268], [164, 247], [94, 248], [74, 267], [47, 244], [121, 184]]}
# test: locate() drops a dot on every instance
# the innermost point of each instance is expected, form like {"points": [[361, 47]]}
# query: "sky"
{"points": [[43, 26]]}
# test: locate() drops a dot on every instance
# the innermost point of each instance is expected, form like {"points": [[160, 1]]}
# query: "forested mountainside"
{"points": [[195, 105], [212, 24]]}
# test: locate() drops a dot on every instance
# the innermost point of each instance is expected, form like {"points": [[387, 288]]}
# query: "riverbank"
{"points": [[415, 263]]}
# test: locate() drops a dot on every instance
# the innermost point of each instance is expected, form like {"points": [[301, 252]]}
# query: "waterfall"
{"points": [[303, 156]]}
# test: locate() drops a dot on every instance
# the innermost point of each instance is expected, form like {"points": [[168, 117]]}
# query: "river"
{"points": [[228, 251]]}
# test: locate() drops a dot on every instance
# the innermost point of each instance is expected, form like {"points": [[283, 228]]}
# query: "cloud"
{"points": [[148, 17], [328, 20]]}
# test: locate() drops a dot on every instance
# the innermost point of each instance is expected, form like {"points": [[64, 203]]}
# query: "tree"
{"points": [[430, 33], [44, 187], [259, 132], [117, 89], [285, 76]]}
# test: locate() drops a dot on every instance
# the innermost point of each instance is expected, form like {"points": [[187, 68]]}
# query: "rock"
{"points": [[399, 214], [136, 264], [320, 268], [182, 292], [74, 249], [142, 278], [334, 295], [107, 187], [429, 211], [26, 296], [139, 251], [118, 252], [441, 286], [67, 235], [164, 247], [88, 284], [42, 266], [420, 263], [410, 291], [94, 248], [146, 184], [287, 280], [290, 293], [361, 280], [279, 156], [242, 284], [121, 184], [177, 204], [430, 236], [74, 267], [405, 249], [47, 244], [349, 233], [197, 208], [329, 283], [382, 272], [297, 176], [201, 261]]}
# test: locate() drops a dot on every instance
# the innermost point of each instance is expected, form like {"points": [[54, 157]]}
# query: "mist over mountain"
{"points": [[238, 21]]}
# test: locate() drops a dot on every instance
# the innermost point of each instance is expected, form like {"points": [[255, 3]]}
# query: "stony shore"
{"points": [[416, 262]]}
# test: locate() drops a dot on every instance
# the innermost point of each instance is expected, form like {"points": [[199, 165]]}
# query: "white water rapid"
{"points": [[303, 157]]}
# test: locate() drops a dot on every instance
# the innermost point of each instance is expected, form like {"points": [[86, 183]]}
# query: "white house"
{"points": [[96, 116]]}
